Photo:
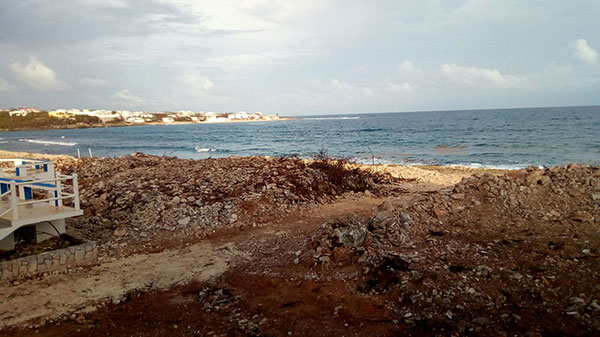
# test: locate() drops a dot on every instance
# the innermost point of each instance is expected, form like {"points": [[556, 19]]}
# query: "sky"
{"points": [[299, 57]]}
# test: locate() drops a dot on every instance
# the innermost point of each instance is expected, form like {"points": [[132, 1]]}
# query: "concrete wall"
{"points": [[50, 261]]}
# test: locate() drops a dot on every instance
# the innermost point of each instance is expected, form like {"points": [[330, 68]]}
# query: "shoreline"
{"points": [[434, 175], [452, 168], [120, 125], [396, 170]]}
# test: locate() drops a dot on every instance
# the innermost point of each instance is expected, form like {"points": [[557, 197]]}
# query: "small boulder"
{"points": [[351, 236], [582, 216]]}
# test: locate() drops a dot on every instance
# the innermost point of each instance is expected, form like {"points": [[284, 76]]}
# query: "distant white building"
{"points": [[18, 113], [185, 113], [105, 118], [168, 119], [239, 115], [135, 120]]}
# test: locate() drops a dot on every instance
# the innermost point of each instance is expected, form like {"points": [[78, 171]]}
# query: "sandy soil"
{"points": [[82, 290], [11, 154], [434, 177]]}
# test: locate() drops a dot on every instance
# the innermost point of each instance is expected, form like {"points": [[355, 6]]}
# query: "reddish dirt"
{"points": [[261, 288]]}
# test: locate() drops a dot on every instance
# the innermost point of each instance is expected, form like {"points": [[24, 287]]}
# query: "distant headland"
{"points": [[35, 119]]}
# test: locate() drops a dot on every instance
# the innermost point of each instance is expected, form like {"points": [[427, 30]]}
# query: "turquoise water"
{"points": [[507, 138]]}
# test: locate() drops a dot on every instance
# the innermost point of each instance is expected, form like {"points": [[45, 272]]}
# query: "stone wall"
{"points": [[84, 253]]}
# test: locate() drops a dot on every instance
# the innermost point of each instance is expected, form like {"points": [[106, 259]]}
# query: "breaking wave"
{"points": [[326, 118], [204, 149], [48, 142], [496, 167]]}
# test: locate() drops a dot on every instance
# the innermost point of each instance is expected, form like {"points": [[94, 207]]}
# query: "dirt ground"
{"points": [[253, 260], [440, 253]]}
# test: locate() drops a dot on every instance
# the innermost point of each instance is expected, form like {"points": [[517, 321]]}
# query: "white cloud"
{"points": [[584, 52], [242, 15], [105, 3], [408, 67], [494, 11], [340, 85], [197, 82], [198, 85], [4, 85], [562, 76], [37, 75], [94, 82], [315, 83], [361, 69], [336, 93], [409, 88], [400, 88], [481, 77], [367, 91], [128, 98], [240, 45], [233, 62]]}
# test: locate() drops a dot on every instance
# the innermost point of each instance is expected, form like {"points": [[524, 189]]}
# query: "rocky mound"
{"points": [[139, 196], [492, 254]]}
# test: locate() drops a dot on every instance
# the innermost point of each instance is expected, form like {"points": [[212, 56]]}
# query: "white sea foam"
{"points": [[48, 142], [378, 161], [325, 118], [204, 149], [495, 167]]}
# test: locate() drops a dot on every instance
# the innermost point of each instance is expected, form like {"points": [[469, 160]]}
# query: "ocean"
{"points": [[502, 138]]}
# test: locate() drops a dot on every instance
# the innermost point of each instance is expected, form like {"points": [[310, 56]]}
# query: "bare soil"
{"points": [[439, 252]]}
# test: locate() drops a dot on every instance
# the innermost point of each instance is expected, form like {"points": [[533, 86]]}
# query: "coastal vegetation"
{"points": [[42, 120], [34, 119]]}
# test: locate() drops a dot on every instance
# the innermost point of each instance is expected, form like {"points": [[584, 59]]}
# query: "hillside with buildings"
{"points": [[33, 119]]}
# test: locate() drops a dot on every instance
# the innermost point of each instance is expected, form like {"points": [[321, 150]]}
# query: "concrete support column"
{"points": [[8, 243], [46, 228]]}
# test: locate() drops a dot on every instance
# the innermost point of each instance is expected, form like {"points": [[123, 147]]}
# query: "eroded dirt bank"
{"points": [[508, 253]]}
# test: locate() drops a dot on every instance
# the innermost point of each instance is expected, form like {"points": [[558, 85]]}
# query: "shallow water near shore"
{"points": [[507, 138]]}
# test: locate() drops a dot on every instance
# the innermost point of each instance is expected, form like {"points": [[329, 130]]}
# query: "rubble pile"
{"points": [[141, 195], [556, 196], [362, 240], [491, 254], [516, 247], [339, 240]]}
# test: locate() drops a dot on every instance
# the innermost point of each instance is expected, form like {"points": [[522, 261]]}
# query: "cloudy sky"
{"points": [[299, 57]]}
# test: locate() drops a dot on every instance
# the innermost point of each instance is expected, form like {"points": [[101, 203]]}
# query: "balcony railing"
{"points": [[20, 192]]}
